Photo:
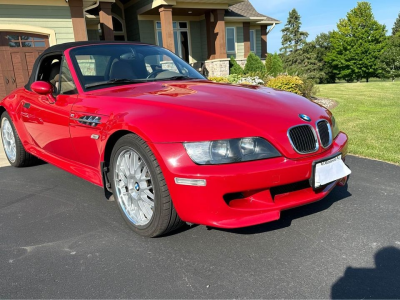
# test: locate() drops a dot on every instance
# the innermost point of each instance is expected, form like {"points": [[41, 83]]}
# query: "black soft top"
{"points": [[60, 48]]}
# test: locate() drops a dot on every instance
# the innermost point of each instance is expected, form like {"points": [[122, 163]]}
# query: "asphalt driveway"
{"points": [[60, 238]]}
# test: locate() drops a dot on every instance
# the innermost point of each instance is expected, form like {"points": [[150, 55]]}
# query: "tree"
{"points": [[323, 46], [293, 39], [254, 64], [357, 44], [389, 62], [274, 65], [235, 67], [396, 26]]}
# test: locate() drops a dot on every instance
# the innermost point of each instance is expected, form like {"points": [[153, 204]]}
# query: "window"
{"points": [[16, 41], [92, 65], [181, 38], [230, 39], [252, 41], [67, 85]]}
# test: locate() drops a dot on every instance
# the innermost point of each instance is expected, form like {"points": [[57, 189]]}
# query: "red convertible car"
{"points": [[171, 146]]}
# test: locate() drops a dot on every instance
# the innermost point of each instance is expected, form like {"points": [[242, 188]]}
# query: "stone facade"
{"points": [[220, 67]]}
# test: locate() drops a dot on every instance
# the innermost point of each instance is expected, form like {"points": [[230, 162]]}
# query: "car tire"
{"points": [[137, 180], [12, 145]]}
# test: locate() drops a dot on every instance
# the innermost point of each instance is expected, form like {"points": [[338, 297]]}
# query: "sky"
{"points": [[320, 15]]}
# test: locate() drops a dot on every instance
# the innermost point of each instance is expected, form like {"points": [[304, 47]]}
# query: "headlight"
{"points": [[335, 128], [230, 151]]}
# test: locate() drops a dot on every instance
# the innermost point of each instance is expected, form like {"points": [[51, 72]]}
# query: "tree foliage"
{"points": [[389, 62], [254, 64], [235, 67], [274, 65], [357, 45], [292, 37], [396, 26]]}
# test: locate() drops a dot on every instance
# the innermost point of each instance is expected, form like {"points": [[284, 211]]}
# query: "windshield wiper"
{"points": [[114, 81]]}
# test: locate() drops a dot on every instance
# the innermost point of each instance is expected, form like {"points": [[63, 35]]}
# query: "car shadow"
{"points": [[338, 193], [381, 282]]}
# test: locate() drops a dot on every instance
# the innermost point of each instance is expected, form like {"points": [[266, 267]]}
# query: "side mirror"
{"points": [[42, 88]]}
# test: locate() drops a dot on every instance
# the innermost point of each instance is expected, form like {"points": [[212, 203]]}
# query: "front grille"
{"points": [[325, 134], [303, 139]]}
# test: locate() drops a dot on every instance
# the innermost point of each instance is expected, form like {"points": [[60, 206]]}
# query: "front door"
{"points": [[18, 52], [47, 118], [181, 39]]}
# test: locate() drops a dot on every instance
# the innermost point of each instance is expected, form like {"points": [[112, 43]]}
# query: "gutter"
{"points": [[272, 27]]}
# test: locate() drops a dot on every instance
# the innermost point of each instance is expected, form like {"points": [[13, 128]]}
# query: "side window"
{"points": [[67, 86]]}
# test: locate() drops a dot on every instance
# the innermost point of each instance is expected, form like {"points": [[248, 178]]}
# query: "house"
{"points": [[205, 33]]}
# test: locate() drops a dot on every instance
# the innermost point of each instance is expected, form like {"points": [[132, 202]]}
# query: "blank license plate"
{"points": [[329, 170]]}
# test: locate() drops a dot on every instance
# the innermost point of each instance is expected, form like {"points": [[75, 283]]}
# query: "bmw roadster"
{"points": [[168, 144]]}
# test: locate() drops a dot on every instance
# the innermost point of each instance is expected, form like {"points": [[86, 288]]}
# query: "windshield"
{"points": [[100, 66]]}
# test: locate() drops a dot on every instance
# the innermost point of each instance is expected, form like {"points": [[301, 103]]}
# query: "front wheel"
{"points": [[13, 148], [140, 189]]}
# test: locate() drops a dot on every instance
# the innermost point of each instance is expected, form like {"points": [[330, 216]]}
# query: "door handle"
{"points": [[13, 80], [27, 105], [7, 81]]}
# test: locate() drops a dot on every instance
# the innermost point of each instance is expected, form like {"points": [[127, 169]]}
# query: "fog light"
{"points": [[187, 181]]}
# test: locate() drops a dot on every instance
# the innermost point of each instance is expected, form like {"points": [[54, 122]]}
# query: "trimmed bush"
{"points": [[308, 88], [287, 83], [219, 79], [254, 65], [235, 69], [274, 65]]}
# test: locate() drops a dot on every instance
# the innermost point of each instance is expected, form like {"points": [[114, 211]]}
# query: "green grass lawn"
{"points": [[370, 114]]}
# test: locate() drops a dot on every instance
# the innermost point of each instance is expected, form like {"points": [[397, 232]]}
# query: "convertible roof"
{"points": [[60, 48], [66, 46]]}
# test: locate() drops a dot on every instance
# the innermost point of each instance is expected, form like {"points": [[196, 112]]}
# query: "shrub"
{"points": [[219, 79], [287, 83], [273, 65], [235, 69], [254, 64], [234, 78], [308, 88]]}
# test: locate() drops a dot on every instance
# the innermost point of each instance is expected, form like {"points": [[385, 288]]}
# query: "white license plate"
{"points": [[329, 170]]}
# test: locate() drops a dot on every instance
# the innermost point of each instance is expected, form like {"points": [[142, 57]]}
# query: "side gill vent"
{"points": [[92, 121]]}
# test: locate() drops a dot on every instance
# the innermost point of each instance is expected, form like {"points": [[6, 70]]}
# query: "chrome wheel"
{"points": [[134, 187], [8, 139]]}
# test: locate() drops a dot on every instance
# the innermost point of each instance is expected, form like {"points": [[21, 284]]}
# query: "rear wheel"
{"points": [[15, 152], [140, 189]]}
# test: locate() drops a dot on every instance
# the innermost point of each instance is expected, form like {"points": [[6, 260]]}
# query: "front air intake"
{"points": [[303, 139]]}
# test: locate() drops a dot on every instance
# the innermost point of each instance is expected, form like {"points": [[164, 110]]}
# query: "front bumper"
{"points": [[241, 194]]}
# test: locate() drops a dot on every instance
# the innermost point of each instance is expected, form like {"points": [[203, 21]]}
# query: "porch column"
{"points": [[246, 38], [210, 35], [167, 29], [78, 20], [220, 41], [264, 41], [106, 24]]}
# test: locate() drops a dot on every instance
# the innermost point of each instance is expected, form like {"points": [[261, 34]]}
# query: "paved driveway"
{"points": [[59, 238]]}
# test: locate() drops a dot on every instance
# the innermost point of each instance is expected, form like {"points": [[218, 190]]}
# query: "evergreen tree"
{"points": [[396, 26], [357, 44], [390, 59], [293, 39], [235, 67], [254, 65], [274, 65]]}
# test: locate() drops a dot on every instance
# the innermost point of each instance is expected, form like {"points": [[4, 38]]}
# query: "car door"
{"points": [[47, 118]]}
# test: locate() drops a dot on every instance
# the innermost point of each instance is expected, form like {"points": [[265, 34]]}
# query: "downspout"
{"points": [[92, 6], [89, 8], [272, 27]]}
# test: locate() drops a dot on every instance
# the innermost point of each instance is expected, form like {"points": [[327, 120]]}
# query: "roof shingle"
{"points": [[247, 10]]}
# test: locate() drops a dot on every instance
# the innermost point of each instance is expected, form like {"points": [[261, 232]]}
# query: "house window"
{"points": [[230, 39], [252, 41], [181, 38]]}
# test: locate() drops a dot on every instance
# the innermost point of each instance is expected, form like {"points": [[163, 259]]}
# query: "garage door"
{"points": [[18, 52]]}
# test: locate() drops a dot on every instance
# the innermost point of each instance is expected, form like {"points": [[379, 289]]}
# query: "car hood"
{"points": [[203, 110]]}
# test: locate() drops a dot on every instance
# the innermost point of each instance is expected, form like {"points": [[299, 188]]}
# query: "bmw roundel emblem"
{"points": [[137, 186], [305, 117]]}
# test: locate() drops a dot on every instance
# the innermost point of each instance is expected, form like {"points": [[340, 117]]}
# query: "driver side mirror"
{"points": [[42, 88]]}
